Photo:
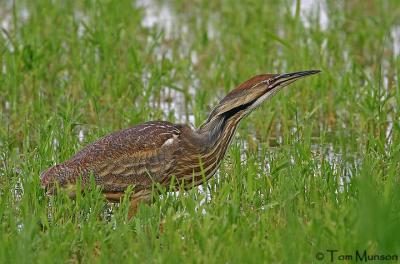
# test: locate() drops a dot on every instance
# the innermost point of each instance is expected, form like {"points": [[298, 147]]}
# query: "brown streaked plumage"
{"points": [[156, 151]]}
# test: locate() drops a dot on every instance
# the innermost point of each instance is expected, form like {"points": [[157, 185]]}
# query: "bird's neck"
{"points": [[219, 130]]}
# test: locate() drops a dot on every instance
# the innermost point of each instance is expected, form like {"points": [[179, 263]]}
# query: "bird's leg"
{"points": [[133, 207], [134, 204], [135, 200]]}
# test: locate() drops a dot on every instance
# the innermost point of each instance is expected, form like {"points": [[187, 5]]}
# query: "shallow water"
{"points": [[310, 10], [395, 35]]}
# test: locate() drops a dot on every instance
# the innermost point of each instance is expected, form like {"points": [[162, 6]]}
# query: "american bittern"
{"points": [[157, 151]]}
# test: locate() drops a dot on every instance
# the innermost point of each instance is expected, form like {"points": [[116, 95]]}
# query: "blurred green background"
{"points": [[315, 168]]}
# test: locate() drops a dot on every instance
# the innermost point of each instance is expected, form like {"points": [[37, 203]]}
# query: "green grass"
{"points": [[311, 170]]}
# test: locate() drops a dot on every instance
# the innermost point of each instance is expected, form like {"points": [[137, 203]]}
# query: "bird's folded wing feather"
{"points": [[137, 156]]}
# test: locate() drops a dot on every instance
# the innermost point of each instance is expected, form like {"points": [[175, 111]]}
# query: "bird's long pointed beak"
{"points": [[285, 79]]}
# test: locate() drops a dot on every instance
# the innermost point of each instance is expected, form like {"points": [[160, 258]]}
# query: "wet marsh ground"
{"points": [[316, 168]]}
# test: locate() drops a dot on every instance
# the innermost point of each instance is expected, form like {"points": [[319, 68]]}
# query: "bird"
{"points": [[163, 153]]}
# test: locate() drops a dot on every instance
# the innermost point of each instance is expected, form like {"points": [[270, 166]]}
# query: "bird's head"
{"points": [[253, 92]]}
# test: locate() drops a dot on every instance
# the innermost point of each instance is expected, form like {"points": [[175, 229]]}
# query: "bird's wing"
{"points": [[137, 156]]}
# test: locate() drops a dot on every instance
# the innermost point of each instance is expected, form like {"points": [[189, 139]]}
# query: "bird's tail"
{"points": [[59, 174]]}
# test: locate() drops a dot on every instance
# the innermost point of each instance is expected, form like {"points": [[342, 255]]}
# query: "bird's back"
{"points": [[136, 156]]}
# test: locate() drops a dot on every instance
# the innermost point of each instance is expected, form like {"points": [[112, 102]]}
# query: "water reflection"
{"points": [[172, 99], [82, 20], [395, 34], [6, 14], [156, 15], [81, 135], [310, 10]]}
